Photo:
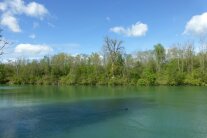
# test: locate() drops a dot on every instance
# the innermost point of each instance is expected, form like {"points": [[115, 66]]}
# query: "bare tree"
{"points": [[113, 49], [3, 43]]}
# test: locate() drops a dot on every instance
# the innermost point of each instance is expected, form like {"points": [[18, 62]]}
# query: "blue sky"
{"points": [[42, 27]]}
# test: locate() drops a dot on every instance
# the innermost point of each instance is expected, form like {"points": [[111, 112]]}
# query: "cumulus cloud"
{"points": [[3, 6], [35, 10], [32, 49], [136, 30], [197, 25], [11, 8], [11, 22]]}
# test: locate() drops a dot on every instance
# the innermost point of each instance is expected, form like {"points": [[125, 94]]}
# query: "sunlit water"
{"points": [[103, 112]]}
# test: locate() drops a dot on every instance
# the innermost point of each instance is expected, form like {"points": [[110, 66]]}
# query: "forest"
{"points": [[181, 64]]}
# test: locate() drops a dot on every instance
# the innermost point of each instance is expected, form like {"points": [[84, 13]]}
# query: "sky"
{"points": [[43, 27]]}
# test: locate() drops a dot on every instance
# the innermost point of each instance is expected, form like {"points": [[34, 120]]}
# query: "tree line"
{"points": [[179, 65]]}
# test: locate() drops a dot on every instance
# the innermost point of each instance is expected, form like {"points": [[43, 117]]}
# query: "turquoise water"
{"points": [[103, 112]]}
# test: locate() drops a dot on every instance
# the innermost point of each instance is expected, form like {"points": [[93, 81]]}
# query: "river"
{"points": [[103, 112]]}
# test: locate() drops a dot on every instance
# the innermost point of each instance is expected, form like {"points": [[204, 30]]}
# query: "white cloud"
{"points": [[119, 30], [3, 6], [197, 25], [136, 30], [36, 10], [33, 36], [11, 22], [32, 49], [19, 7]]}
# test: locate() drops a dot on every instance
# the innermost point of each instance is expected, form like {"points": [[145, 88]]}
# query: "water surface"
{"points": [[103, 112]]}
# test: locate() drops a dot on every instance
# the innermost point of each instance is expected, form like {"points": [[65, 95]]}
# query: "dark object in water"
{"points": [[126, 109]]}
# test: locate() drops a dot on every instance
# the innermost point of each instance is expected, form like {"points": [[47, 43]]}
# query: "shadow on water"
{"points": [[53, 119]]}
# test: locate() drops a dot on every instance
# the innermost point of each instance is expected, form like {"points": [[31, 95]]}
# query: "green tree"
{"points": [[159, 55]]}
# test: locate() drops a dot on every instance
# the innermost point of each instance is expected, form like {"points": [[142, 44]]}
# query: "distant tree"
{"points": [[176, 53], [159, 55], [189, 54], [180, 65], [114, 50], [203, 53], [3, 44]]}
